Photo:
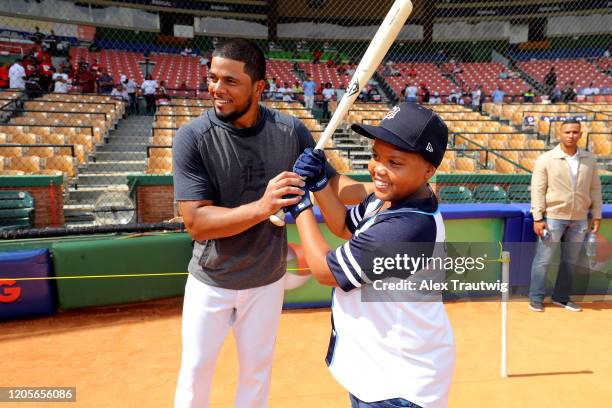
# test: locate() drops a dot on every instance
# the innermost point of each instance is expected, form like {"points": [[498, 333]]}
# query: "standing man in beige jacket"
{"points": [[564, 186]]}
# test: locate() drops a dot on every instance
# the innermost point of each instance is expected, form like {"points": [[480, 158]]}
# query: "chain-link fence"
{"points": [[103, 86]]}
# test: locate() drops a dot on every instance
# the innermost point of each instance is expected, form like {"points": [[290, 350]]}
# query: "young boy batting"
{"points": [[385, 353]]}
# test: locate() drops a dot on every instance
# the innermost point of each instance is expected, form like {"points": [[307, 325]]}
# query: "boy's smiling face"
{"points": [[397, 174]]}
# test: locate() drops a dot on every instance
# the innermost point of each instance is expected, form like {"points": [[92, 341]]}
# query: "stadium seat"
{"points": [[465, 165], [65, 164], [445, 166], [160, 152], [490, 193], [27, 164], [606, 193], [24, 138], [16, 210], [455, 194], [503, 166], [159, 165], [161, 141], [519, 193], [11, 151]]}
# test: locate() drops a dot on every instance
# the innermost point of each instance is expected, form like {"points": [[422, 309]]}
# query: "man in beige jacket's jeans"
{"points": [[564, 186]]}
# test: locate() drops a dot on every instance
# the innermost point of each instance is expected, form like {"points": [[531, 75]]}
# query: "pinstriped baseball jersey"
{"points": [[384, 350]]}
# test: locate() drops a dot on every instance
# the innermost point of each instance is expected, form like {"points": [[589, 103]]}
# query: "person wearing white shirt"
{"points": [[131, 88], [61, 81], [149, 87], [17, 75], [287, 92], [411, 93], [120, 92], [328, 93], [476, 96], [435, 98]]}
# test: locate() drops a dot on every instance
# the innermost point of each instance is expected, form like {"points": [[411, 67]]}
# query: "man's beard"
{"points": [[236, 114]]}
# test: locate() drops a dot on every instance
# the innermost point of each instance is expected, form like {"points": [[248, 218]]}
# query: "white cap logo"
{"points": [[392, 113], [429, 148]]}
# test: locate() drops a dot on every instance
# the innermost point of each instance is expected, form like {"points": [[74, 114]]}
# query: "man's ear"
{"points": [[260, 86]]}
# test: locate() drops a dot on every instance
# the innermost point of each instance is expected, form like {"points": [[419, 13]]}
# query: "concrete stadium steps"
{"points": [[124, 152], [353, 147]]}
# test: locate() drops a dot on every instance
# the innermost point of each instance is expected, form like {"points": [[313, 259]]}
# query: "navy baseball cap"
{"points": [[412, 128]]}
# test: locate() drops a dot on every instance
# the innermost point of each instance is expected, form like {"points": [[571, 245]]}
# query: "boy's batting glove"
{"points": [[302, 205], [311, 167]]}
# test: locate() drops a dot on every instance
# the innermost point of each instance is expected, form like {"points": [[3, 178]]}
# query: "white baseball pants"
{"points": [[208, 313]]}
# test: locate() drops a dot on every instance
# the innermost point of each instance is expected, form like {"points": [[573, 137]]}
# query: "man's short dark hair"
{"points": [[243, 50], [571, 121]]}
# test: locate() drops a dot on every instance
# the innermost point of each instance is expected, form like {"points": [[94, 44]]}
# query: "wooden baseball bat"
{"points": [[380, 44]]}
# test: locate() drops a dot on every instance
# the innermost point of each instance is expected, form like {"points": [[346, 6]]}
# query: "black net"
{"points": [[502, 75]]}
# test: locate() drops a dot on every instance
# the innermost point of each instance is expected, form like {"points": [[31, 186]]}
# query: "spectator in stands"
{"points": [[204, 61], [412, 72], [454, 96], [131, 88], [215, 42], [316, 56], [86, 79], [589, 90], [340, 91], [565, 186], [350, 71], [46, 71], [161, 95], [83, 64], [498, 95], [95, 67], [4, 75], [119, 92], [60, 81], [456, 69], [51, 40], [424, 93], [287, 92], [435, 98], [503, 75], [550, 80], [411, 92], [33, 81], [309, 92], [477, 97], [528, 96], [373, 94], [569, 94], [328, 95], [37, 36], [297, 89], [17, 75], [187, 51], [557, 95], [149, 89], [105, 82], [330, 63]]}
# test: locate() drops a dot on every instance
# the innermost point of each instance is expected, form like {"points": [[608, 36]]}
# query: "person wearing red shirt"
{"points": [[316, 56], [87, 80], [46, 70], [4, 76]]}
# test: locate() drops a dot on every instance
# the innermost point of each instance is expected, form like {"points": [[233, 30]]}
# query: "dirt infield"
{"points": [[128, 356]]}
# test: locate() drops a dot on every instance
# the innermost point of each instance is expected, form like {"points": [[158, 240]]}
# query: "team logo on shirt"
{"points": [[391, 114]]}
